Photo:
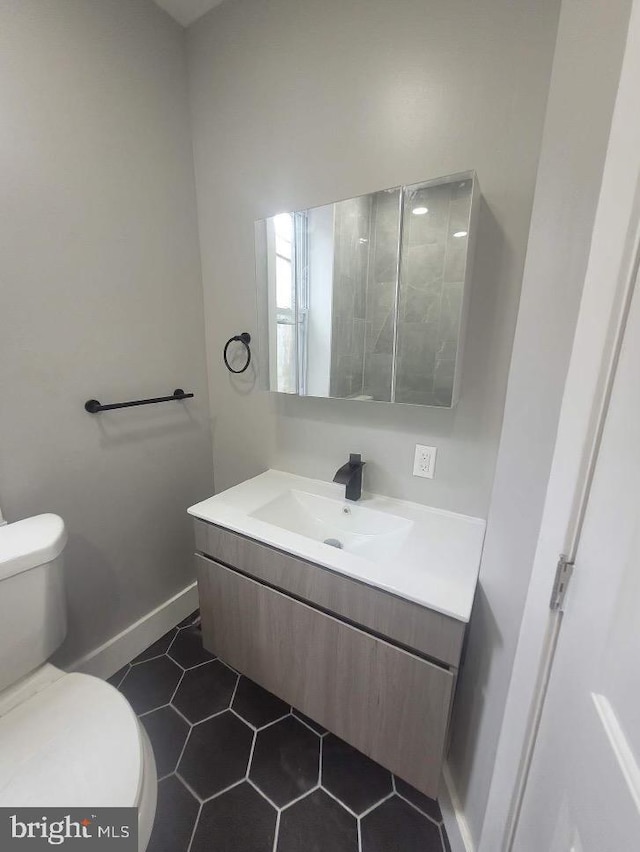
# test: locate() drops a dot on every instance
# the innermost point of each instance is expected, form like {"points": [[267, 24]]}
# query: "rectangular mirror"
{"points": [[366, 299]]}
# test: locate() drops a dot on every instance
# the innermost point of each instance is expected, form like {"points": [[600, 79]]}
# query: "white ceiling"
{"points": [[187, 11]]}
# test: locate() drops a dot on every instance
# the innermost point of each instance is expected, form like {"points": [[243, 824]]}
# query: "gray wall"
{"points": [[296, 103], [101, 296], [584, 82]]}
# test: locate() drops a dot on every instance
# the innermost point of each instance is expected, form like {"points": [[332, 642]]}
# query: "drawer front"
{"points": [[431, 633], [388, 703]]}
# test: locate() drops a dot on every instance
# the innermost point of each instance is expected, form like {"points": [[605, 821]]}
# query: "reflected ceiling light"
{"points": [[420, 211], [460, 233]]}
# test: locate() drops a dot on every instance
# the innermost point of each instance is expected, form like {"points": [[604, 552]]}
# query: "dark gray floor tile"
{"points": [[310, 722], [168, 733], [355, 779], [285, 761], [256, 705], [428, 806], [216, 754], [151, 684], [239, 820], [193, 618], [284, 766], [117, 678], [158, 648], [394, 826], [205, 690], [187, 649], [176, 813], [317, 823]]}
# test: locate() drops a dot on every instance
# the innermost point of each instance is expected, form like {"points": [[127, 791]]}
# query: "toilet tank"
{"points": [[33, 617]]}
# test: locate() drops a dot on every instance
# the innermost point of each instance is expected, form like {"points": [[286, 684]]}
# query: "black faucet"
{"points": [[350, 474]]}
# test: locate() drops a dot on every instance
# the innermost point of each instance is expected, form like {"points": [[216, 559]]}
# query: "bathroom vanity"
{"points": [[365, 634]]}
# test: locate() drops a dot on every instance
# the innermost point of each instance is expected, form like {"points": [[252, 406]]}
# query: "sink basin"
{"points": [[426, 555], [356, 529]]}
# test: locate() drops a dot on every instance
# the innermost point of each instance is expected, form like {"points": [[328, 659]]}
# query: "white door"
{"points": [[583, 790]]}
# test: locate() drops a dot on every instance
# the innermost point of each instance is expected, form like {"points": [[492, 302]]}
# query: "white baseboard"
{"points": [[120, 649], [453, 816]]}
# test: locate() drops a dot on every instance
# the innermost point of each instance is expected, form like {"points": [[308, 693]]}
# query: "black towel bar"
{"points": [[94, 407]]}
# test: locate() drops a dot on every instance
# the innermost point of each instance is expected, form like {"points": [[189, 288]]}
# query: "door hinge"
{"points": [[564, 570]]}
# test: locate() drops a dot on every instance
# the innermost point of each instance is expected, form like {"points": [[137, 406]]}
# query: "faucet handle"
{"points": [[355, 460]]}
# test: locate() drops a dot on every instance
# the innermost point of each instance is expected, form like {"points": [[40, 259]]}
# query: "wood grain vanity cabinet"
{"points": [[375, 669]]}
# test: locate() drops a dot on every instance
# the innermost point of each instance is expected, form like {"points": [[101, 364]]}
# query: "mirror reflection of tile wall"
{"points": [[432, 276], [378, 289], [365, 273]]}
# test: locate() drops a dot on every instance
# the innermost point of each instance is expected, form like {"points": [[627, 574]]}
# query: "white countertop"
{"points": [[433, 560]]}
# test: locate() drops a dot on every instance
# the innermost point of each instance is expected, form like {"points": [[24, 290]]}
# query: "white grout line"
{"points": [[194, 666], [307, 725], [274, 722], [181, 714], [233, 695], [119, 684], [393, 783], [189, 788], [177, 687], [276, 832], [175, 662], [227, 666], [416, 808], [340, 802], [195, 825], [359, 827], [149, 712], [148, 660], [320, 756], [379, 802], [252, 783], [208, 718], [220, 792], [251, 751], [300, 798], [186, 740], [175, 636], [242, 719], [271, 724]]}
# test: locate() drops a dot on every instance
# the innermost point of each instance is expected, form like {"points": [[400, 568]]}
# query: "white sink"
{"points": [[334, 522], [425, 555]]}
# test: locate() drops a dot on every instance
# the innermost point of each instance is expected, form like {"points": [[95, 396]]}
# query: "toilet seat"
{"points": [[75, 743]]}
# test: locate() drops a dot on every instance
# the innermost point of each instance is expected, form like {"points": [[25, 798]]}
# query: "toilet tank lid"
{"points": [[31, 542]]}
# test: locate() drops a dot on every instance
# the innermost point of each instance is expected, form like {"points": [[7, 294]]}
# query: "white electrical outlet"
{"points": [[424, 461]]}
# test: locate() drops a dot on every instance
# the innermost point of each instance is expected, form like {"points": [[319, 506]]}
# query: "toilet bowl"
{"points": [[66, 739]]}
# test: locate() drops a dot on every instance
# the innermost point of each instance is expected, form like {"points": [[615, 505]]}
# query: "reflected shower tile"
{"points": [[421, 304], [423, 265], [456, 259], [381, 299], [382, 334], [450, 311], [377, 375]]}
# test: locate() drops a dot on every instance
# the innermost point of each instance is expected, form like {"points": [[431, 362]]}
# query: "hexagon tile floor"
{"points": [[241, 771]]}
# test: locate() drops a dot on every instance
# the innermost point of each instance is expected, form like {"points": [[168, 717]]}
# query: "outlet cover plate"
{"points": [[424, 461]]}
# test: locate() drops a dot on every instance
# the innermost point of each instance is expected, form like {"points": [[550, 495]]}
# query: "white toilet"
{"points": [[66, 740]]}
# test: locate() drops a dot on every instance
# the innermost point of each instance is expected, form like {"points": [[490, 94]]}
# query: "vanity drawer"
{"points": [[438, 636], [386, 702]]}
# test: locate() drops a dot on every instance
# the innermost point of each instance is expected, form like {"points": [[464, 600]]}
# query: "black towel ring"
{"points": [[244, 338]]}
